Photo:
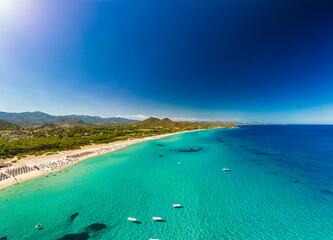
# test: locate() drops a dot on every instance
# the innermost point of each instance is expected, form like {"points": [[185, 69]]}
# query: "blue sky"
{"points": [[269, 61]]}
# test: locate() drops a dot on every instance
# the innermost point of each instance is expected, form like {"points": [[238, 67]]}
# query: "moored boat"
{"points": [[176, 205], [132, 219], [156, 218], [226, 169]]}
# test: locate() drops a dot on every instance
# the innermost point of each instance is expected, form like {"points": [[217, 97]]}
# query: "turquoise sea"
{"points": [[280, 187]]}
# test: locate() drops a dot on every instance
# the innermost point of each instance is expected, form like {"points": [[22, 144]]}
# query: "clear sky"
{"points": [[244, 60]]}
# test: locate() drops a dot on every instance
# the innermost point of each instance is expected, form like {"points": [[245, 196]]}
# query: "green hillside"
{"points": [[156, 122], [4, 125], [34, 119]]}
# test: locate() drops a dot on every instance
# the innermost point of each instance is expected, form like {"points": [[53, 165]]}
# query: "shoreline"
{"points": [[79, 155]]}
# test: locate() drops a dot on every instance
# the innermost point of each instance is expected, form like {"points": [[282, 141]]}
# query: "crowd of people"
{"points": [[10, 172], [54, 165]]}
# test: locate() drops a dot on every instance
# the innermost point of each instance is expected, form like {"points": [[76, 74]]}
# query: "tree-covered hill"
{"points": [[149, 122], [33, 119], [156, 122], [67, 121], [4, 125]]}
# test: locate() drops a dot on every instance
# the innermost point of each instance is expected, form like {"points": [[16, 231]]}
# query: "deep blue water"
{"points": [[280, 187], [303, 150]]}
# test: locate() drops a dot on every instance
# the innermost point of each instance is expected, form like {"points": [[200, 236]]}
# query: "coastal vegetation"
{"points": [[49, 138]]}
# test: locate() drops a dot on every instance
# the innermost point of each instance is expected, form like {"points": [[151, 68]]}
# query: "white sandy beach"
{"points": [[63, 159]]}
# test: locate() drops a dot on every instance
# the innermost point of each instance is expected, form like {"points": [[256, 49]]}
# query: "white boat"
{"points": [[176, 205], [38, 225], [132, 219], [156, 218], [226, 169]]}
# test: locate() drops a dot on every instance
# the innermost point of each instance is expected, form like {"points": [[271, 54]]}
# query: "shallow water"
{"points": [[280, 187]]}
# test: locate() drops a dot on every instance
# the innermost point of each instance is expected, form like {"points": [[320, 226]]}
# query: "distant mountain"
{"points": [[96, 119], [149, 121], [156, 122], [4, 125], [27, 118], [251, 123], [31, 119], [166, 122], [67, 121]]}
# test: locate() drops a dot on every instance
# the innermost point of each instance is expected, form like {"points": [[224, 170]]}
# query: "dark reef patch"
{"points": [[72, 217], [190, 150], [296, 181], [220, 140], [327, 191], [242, 146], [161, 156], [161, 145], [96, 227], [41, 228], [257, 152], [273, 173], [75, 236]]}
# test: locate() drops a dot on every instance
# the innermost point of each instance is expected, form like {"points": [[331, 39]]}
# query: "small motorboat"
{"points": [[132, 219], [38, 225], [176, 205], [156, 218], [226, 169]]}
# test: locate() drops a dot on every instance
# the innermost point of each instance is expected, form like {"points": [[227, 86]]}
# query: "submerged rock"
{"points": [[190, 150], [72, 217], [95, 227], [257, 152], [75, 236], [327, 191]]}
